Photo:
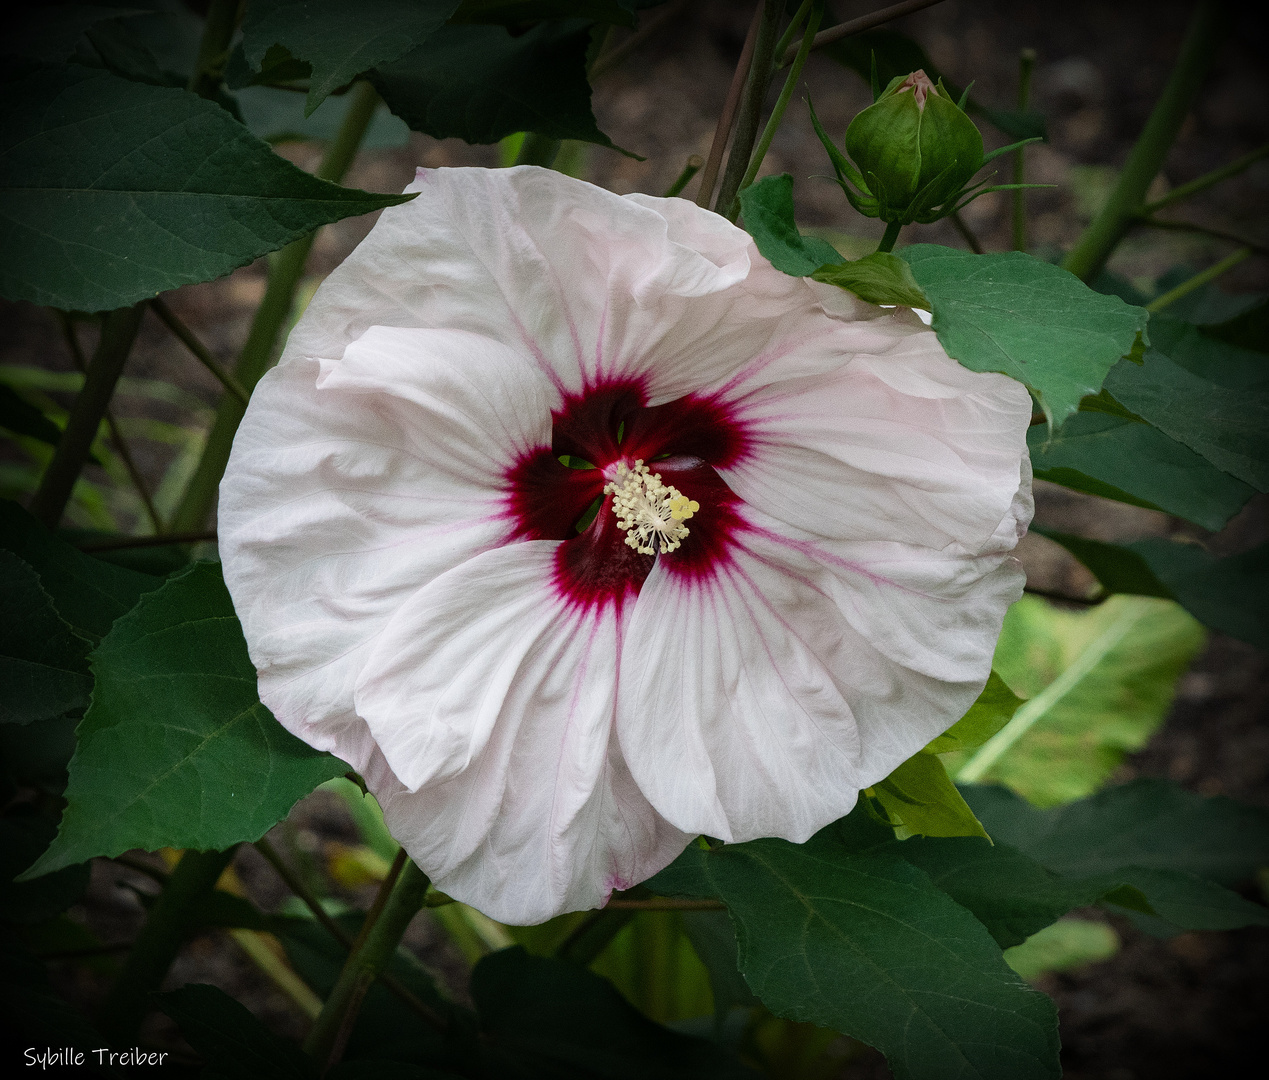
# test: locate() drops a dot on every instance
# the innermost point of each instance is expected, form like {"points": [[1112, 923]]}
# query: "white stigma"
{"points": [[650, 513]]}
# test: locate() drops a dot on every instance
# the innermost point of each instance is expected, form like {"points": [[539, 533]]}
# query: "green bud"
{"points": [[915, 150]]}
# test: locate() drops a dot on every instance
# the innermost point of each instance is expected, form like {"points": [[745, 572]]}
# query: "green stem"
{"points": [[750, 110], [892, 234], [197, 349], [213, 49], [538, 150], [168, 925], [692, 167], [1094, 247], [967, 234], [399, 900], [786, 39], [864, 22], [286, 267], [1206, 180], [1206, 230], [728, 114], [786, 93], [118, 331], [1198, 280], [1026, 61]]}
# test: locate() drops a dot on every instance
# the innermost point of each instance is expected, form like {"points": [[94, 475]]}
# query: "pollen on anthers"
{"points": [[650, 513]]}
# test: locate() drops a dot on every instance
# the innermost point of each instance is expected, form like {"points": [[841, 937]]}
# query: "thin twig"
{"points": [[1199, 280], [610, 58], [967, 234], [692, 167], [200, 352], [1205, 181], [1026, 61], [727, 117], [1258, 246], [858, 26]]}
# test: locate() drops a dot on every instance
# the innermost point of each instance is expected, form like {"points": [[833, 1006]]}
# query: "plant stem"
{"points": [[213, 49], [610, 58], [1026, 61], [786, 39], [118, 331], [1198, 280], [728, 116], [1207, 230], [1198, 50], [197, 349], [864, 22], [169, 923], [262, 952], [750, 110], [286, 267], [116, 433], [538, 150], [399, 900], [692, 167], [966, 232], [892, 234], [1205, 181], [782, 102]]}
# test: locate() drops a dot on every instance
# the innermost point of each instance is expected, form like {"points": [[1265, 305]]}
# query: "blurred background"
{"points": [[1183, 1007]]}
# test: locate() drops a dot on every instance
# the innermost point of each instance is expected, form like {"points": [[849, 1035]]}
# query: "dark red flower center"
{"points": [[684, 441]]}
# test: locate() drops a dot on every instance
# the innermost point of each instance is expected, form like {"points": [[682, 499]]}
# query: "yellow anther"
{"points": [[649, 512]]}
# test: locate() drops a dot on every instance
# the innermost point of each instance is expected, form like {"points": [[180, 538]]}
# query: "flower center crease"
{"points": [[650, 513]]}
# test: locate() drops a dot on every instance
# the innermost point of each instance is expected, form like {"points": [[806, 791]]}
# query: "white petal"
{"points": [[759, 702], [351, 485], [902, 444], [492, 700]]}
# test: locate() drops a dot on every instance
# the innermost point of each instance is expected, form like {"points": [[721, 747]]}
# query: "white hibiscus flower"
{"points": [[580, 530]]}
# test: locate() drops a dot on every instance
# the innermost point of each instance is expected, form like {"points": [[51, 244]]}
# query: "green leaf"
{"points": [[1146, 823], [767, 207], [338, 39], [23, 836], [480, 84], [43, 662], [991, 711], [1229, 427], [1067, 944], [921, 797], [1025, 318], [1137, 464], [233, 1044], [1183, 901], [1230, 595], [176, 749], [1231, 354], [714, 939], [113, 191], [1099, 683], [88, 593], [1010, 894], [866, 945], [879, 278], [277, 116], [567, 1021]]}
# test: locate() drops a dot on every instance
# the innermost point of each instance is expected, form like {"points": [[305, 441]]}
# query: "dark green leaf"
{"points": [[49, 33], [88, 593], [714, 939], [1230, 595], [879, 278], [1135, 463], [1235, 364], [22, 418], [517, 12], [340, 40], [480, 84], [1147, 823], [176, 749], [767, 207], [230, 1040], [1230, 428], [23, 836], [1247, 330], [43, 662], [570, 1022], [866, 945], [113, 191], [1187, 902], [1025, 318], [277, 116]]}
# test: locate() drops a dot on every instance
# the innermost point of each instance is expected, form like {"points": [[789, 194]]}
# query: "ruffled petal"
{"points": [[352, 483], [899, 443], [492, 701], [759, 700]]}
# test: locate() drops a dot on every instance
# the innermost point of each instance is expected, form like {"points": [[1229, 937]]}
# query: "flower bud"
{"points": [[915, 150]]}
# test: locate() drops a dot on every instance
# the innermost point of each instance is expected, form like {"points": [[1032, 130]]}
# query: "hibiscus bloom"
{"points": [[580, 530]]}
